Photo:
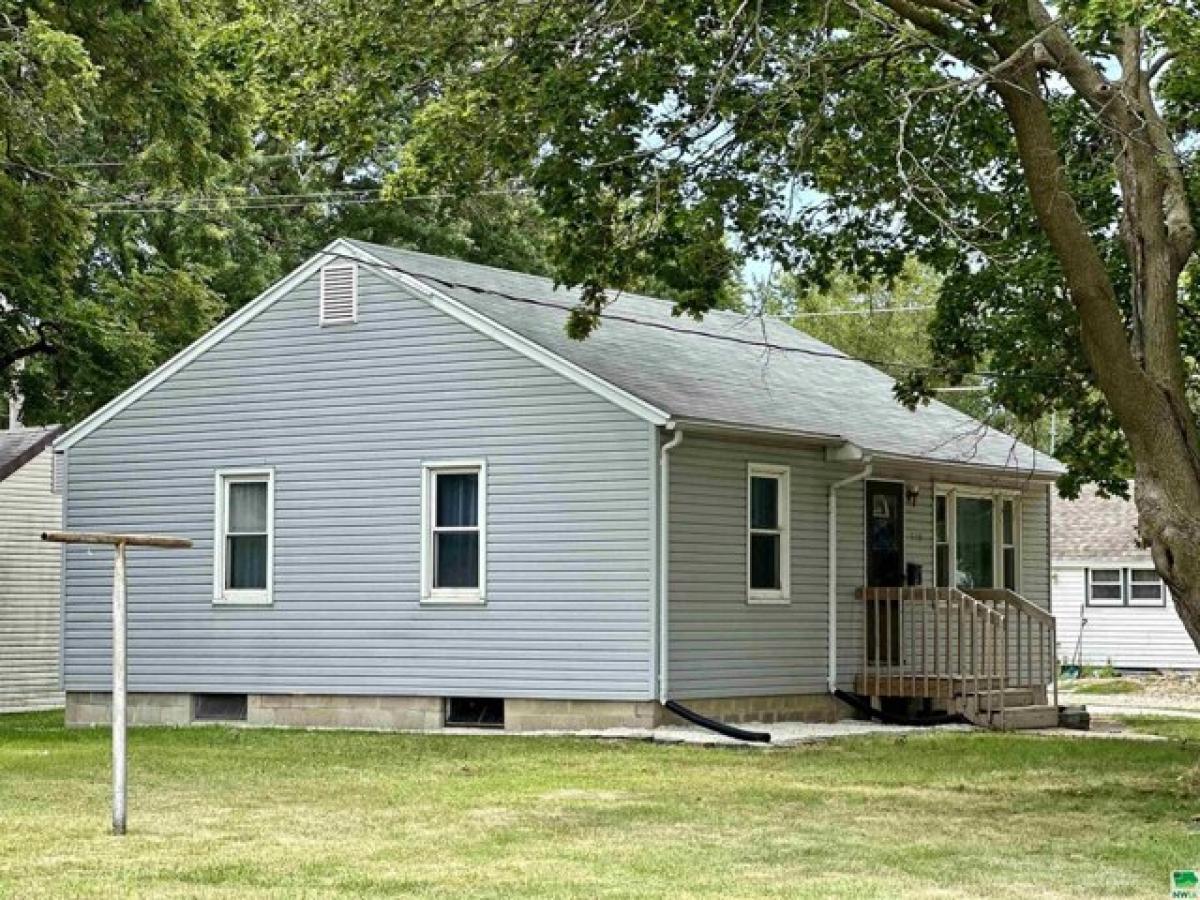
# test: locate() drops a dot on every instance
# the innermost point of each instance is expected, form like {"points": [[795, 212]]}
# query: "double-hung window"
{"points": [[453, 532], [1146, 588], [1125, 587], [1106, 587], [243, 545], [768, 540]]}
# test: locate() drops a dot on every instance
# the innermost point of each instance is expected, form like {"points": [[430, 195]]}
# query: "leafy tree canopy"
{"points": [[831, 137], [144, 194]]}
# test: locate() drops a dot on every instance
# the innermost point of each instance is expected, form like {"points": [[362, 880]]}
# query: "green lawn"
{"points": [[222, 812], [1103, 686], [1168, 726]]}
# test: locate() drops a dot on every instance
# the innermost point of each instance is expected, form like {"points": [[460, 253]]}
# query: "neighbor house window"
{"points": [[453, 539], [244, 537], [1106, 587], [768, 540], [1125, 587], [1146, 588]]}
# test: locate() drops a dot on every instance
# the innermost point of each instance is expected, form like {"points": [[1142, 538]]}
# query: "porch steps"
{"points": [[1017, 718], [983, 700]]}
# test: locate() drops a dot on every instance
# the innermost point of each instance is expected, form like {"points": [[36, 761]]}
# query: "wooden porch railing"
{"points": [[1034, 633], [943, 642]]}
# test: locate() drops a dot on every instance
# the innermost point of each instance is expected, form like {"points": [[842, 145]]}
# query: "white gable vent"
{"points": [[339, 293]]}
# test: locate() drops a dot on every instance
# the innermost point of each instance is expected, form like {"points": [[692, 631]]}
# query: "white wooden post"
{"points": [[120, 668], [119, 673]]}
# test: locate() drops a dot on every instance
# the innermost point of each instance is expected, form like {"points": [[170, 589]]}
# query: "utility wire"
{"points": [[239, 202], [663, 326], [873, 311]]}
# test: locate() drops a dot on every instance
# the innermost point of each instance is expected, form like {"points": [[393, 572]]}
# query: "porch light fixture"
{"points": [[912, 493]]}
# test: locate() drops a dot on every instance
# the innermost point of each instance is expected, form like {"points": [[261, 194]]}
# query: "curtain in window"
{"points": [[456, 549], [246, 536], [457, 499]]}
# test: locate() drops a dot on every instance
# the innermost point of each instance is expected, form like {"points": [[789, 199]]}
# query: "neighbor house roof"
{"points": [[729, 369], [20, 445], [1095, 528]]}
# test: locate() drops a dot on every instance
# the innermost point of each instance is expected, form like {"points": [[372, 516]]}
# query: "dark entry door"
{"points": [[885, 534]]}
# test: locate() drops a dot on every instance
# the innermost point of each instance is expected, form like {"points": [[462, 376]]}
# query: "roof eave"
{"points": [[30, 453]]}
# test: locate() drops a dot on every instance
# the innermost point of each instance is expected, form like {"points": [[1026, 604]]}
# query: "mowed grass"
{"points": [[226, 812], [1186, 729], [1104, 686]]}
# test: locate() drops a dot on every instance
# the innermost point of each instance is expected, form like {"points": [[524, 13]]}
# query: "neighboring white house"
{"points": [[29, 572], [1110, 605]]}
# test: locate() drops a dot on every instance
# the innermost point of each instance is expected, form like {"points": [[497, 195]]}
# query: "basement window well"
{"points": [[218, 707], [474, 712]]}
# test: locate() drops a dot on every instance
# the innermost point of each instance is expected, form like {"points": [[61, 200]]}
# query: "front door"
{"points": [[885, 563], [885, 533]]}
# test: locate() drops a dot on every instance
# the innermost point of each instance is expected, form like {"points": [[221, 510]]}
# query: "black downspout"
{"points": [[741, 734]]}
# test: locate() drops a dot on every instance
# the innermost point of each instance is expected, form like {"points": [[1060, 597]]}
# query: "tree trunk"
{"points": [[1169, 510], [1143, 383]]}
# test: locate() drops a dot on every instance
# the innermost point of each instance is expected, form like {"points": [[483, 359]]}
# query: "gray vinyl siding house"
{"points": [[29, 572], [607, 566]]}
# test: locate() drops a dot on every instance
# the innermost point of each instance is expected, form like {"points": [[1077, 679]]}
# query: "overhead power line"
{"points": [[238, 202], [664, 326], [864, 311]]}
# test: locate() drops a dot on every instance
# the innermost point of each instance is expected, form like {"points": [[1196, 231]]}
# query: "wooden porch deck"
{"points": [[989, 654]]}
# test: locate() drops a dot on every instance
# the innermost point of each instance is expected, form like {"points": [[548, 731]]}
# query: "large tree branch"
{"points": [[41, 346], [1088, 282]]}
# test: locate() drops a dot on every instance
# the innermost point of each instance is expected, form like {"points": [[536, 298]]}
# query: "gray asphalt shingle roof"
{"points": [[717, 371], [18, 446], [1095, 528]]}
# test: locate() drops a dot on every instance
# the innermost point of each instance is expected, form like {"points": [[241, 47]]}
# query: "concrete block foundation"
{"points": [[408, 713]]}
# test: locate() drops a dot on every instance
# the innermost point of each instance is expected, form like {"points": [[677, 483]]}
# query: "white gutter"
{"points": [[833, 569], [664, 554]]}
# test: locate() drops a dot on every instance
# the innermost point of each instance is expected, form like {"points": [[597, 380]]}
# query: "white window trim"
{"points": [[451, 596], [1141, 604], [998, 495], [1125, 582], [784, 475], [221, 596], [1119, 602], [334, 323]]}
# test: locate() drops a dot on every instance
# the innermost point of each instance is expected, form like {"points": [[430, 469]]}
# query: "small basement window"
{"points": [[475, 712], [218, 707]]}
